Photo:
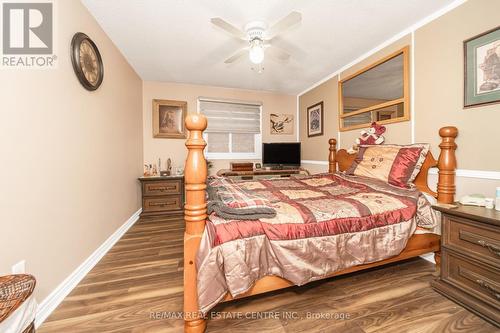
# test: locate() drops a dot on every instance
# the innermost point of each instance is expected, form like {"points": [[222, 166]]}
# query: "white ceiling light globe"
{"points": [[256, 52]]}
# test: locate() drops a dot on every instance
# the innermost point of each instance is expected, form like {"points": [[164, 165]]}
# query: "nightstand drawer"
{"points": [[162, 204], [476, 279], [162, 187], [474, 238]]}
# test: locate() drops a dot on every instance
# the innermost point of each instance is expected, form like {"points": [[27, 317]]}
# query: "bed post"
{"points": [[447, 164], [195, 213], [332, 163]]}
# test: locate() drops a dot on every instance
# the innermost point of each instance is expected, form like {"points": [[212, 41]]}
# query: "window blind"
{"points": [[231, 117]]}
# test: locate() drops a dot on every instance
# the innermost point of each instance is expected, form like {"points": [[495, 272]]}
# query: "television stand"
{"points": [[281, 167], [262, 173]]}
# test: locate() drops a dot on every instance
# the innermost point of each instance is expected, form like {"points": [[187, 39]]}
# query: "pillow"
{"points": [[397, 165]]}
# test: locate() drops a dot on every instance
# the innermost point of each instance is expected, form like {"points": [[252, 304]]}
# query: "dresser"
{"points": [[162, 195], [470, 259]]}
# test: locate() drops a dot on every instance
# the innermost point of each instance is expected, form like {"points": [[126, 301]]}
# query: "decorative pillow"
{"points": [[397, 165]]}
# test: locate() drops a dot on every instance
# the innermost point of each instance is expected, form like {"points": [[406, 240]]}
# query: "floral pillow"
{"points": [[397, 165]]}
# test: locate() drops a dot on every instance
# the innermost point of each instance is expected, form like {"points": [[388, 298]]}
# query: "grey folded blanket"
{"points": [[215, 204]]}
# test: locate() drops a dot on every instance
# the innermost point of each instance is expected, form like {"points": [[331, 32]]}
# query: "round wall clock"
{"points": [[87, 61]]}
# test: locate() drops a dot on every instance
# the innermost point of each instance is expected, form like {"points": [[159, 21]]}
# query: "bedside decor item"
{"points": [[169, 165], [168, 170], [497, 199], [87, 61], [281, 123], [482, 69], [162, 195], [178, 171], [168, 119], [147, 171], [473, 200], [315, 120], [489, 203], [154, 171]]}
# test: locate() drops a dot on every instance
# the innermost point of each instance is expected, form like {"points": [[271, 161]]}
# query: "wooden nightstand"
{"points": [[162, 195], [470, 259]]}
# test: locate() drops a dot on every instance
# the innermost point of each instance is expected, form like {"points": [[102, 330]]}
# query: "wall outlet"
{"points": [[19, 268]]}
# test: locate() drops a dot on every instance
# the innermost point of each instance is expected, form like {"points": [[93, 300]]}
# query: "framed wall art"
{"points": [[482, 69], [168, 119], [315, 120], [281, 123]]}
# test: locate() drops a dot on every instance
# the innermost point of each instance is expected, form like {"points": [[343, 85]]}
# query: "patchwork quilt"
{"points": [[323, 224]]}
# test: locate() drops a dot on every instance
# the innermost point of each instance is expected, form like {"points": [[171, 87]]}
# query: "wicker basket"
{"points": [[14, 290]]}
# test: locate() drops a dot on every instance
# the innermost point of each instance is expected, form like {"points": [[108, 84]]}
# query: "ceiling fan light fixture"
{"points": [[256, 51], [259, 37]]}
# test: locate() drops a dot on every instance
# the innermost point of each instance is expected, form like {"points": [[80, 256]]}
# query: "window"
{"points": [[234, 130], [378, 93]]}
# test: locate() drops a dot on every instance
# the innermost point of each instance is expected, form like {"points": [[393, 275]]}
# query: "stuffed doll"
{"points": [[372, 136]]}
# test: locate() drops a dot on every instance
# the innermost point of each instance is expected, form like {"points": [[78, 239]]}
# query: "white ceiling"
{"points": [[174, 41]]}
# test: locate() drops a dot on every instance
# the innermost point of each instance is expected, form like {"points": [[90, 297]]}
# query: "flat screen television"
{"points": [[281, 154]]}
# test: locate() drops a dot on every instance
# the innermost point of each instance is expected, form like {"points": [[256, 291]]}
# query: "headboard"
{"points": [[341, 160]]}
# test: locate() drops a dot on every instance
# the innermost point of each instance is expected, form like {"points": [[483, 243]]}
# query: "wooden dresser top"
{"points": [[481, 214], [153, 178]]}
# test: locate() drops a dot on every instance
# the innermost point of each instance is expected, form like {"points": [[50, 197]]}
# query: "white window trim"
{"points": [[257, 155]]}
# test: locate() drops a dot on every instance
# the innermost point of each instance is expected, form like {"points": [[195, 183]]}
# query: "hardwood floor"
{"points": [[139, 281]]}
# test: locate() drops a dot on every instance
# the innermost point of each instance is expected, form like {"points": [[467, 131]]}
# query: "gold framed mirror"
{"points": [[379, 92]]}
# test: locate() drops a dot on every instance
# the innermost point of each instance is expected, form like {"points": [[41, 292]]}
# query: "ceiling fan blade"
{"points": [[228, 27], [285, 23], [240, 53], [278, 54]]}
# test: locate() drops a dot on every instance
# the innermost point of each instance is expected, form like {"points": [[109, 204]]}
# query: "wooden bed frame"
{"points": [[195, 213]]}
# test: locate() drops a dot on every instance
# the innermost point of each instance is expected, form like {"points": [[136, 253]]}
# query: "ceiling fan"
{"points": [[259, 37]]}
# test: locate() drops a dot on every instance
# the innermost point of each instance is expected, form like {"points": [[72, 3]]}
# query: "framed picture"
{"points": [[168, 119], [482, 69], [281, 123], [315, 120]]}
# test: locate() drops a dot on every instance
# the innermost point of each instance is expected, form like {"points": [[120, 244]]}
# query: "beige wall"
{"points": [[438, 99], [439, 85], [70, 157], [175, 148], [316, 147]]}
